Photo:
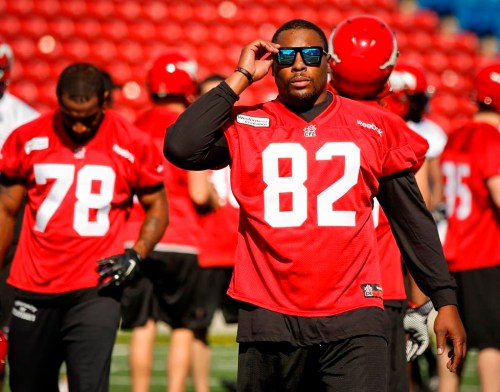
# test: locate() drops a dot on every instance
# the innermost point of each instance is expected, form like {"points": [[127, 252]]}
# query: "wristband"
{"points": [[245, 72]]}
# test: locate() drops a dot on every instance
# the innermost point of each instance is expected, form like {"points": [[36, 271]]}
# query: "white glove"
{"points": [[415, 325]]}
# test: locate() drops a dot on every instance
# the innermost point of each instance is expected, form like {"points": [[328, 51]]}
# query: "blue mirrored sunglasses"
{"points": [[311, 55]]}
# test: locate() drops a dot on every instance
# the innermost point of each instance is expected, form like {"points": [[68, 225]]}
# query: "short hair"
{"points": [[81, 81], [297, 24]]}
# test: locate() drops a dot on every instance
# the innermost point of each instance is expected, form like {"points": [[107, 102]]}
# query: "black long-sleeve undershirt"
{"points": [[196, 142]]}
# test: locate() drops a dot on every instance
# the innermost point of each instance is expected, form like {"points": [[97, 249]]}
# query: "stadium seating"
{"points": [[123, 36]]}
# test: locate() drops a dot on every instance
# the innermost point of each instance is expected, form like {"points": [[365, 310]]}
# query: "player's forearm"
{"points": [[196, 140], [417, 237], [154, 224]]}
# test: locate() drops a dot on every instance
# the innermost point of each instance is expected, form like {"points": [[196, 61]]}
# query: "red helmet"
{"points": [[487, 86], [363, 53], [406, 81], [172, 73], [3, 352], [6, 60]]}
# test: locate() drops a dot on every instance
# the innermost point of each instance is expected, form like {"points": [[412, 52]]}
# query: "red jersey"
{"points": [[470, 157], [219, 229], [183, 229], [78, 198], [390, 256], [307, 242]]}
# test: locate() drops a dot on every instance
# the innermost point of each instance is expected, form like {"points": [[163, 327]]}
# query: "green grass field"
{"points": [[224, 364]]}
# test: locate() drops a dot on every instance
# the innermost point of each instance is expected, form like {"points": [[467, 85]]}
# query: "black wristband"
{"points": [[245, 72]]}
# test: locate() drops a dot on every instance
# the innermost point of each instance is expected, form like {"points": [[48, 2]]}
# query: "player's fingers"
{"points": [[411, 350], [422, 347], [457, 355], [440, 342]]}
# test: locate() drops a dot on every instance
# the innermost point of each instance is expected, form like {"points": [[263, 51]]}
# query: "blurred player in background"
{"points": [[364, 52], [218, 238], [410, 100], [13, 113], [470, 164], [168, 288], [79, 166]]}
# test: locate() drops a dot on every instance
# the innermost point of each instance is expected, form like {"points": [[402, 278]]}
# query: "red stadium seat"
{"points": [[205, 12], [156, 11], [435, 61], [26, 90], [88, 28], [142, 30], [455, 83], [20, 7], [127, 10], [130, 51], [170, 32], [196, 32], [46, 7], [36, 71], [23, 47], [115, 29], [444, 103], [74, 8], [101, 9], [10, 25], [103, 50], [76, 49], [61, 27], [180, 11], [34, 26]]}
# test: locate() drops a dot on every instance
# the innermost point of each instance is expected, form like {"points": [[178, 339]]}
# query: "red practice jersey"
{"points": [[390, 256], [219, 229], [78, 198], [183, 229], [470, 157], [307, 244]]}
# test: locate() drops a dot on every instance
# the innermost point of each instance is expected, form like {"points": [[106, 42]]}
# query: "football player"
{"points": [[169, 289], [79, 166], [470, 164], [305, 168]]}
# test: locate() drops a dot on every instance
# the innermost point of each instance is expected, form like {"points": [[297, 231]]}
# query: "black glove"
{"points": [[415, 325], [118, 270]]}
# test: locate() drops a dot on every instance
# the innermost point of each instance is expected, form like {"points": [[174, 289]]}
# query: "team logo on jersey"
{"points": [[370, 126], [371, 290], [124, 153], [24, 311], [37, 143], [258, 122], [310, 131]]}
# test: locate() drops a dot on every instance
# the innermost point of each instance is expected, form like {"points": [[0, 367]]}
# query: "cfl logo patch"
{"points": [[310, 131]]}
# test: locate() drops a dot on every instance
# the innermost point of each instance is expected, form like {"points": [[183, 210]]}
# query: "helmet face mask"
{"points": [[173, 74], [363, 54], [487, 86]]}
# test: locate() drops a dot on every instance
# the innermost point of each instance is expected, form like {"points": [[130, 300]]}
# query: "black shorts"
{"points": [[398, 374], [78, 328], [212, 295], [477, 294], [349, 365], [165, 292]]}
